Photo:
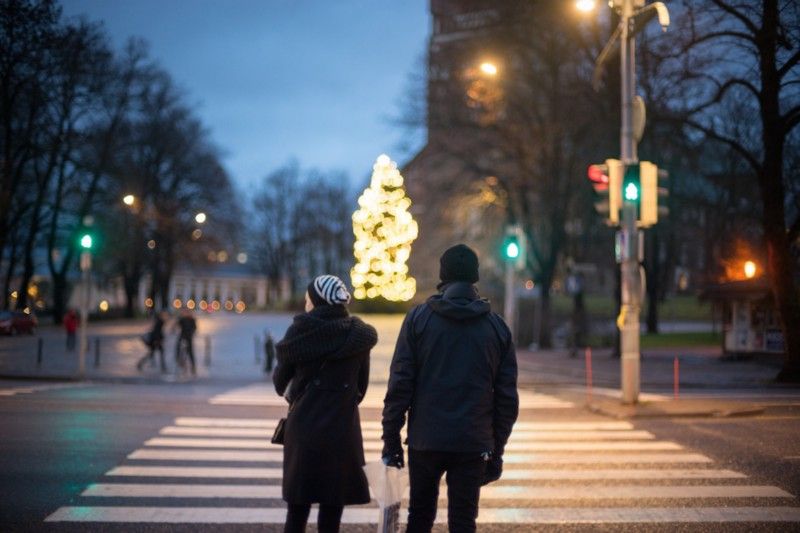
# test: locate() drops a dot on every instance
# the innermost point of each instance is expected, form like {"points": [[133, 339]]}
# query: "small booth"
{"points": [[750, 321]]}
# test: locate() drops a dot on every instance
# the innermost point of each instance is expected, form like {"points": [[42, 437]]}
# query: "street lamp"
{"points": [[129, 200], [200, 217], [490, 69], [585, 5], [749, 269]]}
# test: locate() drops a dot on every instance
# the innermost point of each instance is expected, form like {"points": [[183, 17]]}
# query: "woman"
{"points": [[325, 356]]}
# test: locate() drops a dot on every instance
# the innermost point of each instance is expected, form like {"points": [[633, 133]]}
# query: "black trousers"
{"points": [[464, 475], [189, 349], [328, 519]]}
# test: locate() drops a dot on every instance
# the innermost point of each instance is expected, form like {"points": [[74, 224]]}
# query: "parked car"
{"points": [[13, 322]]}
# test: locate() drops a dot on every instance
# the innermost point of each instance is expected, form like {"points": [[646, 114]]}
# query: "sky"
{"points": [[314, 80]]}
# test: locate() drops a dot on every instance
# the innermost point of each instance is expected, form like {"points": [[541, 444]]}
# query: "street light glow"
{"points": [[585, 5], [129, 199], [200, 217], [749, 269], [489, 69]]}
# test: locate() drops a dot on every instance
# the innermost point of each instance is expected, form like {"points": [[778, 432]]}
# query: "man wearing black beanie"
{"points": [[454, 372]]}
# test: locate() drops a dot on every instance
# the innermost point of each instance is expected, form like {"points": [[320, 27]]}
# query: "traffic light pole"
{"points": [[628, 321], [86, 265], [509, 310]]}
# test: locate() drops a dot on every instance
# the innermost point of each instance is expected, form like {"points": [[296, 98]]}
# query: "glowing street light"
{"points": [[585, 5], [490, 69], [200, 217], [129, 200], [750, 269]]}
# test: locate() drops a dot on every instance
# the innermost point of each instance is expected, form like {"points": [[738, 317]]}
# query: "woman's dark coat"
{"points": [[325, 356]]}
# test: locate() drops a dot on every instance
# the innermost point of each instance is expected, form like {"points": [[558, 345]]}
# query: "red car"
{"points": [[13, 322]]}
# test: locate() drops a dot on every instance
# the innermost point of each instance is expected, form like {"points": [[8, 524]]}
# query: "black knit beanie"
{"points": [[458, 263]]}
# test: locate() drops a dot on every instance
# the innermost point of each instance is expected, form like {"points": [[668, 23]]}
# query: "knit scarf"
{"points": [[326, 332]]}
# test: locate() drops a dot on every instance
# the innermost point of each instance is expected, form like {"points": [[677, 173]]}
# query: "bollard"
{"points": [[96, 352], [676, 377], [39, 350], [588, 374], [208, 351], [256, 348]]}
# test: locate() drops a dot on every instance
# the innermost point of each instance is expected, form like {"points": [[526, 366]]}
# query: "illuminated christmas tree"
{"points": [[384, 231]]}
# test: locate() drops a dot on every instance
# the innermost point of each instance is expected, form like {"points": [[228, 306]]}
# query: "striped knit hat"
{"points": [[328, 290]]}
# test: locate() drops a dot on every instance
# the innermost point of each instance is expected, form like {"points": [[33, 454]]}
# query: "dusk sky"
{"points": [[315, 80]]}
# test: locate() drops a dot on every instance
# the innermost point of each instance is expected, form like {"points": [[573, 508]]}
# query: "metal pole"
{"points": [[39, 350], [96, 352], [629, 323], [509, 311], [208, 351], [86, 265]]}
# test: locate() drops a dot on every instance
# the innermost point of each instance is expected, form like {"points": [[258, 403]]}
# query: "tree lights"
{"points": [[384, 231]]}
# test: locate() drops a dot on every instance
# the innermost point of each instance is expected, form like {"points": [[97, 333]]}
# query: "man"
{"points": [[71, 326], [155, 342], [454, 371], [186, 327]]}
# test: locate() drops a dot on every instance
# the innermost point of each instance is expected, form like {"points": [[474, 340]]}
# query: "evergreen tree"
{"points": [[384, 231]]}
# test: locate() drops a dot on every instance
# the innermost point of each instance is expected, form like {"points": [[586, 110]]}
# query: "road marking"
{"points": [[193, 471], [520, 435], [154, 454], [264, 395], [39, 388], [508, 474], [491, 492], [378, 446], [270, 423], [557, 515]]}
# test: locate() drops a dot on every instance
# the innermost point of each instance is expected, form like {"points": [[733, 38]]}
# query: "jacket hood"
{"points": [[327, 332], [459, 301]]}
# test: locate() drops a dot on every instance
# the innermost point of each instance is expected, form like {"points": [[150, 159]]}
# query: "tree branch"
{"points": [[743, 19], [722, 90], [737, 147], [791, 119], [792, 61]]}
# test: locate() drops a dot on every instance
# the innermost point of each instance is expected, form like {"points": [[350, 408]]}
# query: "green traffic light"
{"points": [[631, 192], [512, 250], [86, 241]]}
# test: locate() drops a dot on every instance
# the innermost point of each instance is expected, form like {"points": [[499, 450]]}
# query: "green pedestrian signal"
{"points": [[631, 192], [86, 241], [631, 184]]}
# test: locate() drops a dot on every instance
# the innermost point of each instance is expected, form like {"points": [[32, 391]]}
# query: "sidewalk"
{"points": [[707, 385]]}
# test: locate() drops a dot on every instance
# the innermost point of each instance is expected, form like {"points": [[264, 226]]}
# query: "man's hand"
{"points": [[494, 469], [392, 454]]}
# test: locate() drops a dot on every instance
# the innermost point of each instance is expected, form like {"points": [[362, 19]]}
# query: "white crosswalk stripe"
{"points": [[567, 469], [263, 394]]}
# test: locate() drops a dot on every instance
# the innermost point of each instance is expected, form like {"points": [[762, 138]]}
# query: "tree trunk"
{"points": [[770, 177], [131, 283], [545, 330], [60, 297]]}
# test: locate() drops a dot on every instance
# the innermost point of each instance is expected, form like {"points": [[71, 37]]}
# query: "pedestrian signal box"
{"points": [[606, 181]]}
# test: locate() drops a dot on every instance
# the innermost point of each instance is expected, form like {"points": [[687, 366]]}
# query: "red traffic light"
{"points": [[598, 176]]}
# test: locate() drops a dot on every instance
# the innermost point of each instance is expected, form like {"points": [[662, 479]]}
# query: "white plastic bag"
{"points": [[388, 484]]}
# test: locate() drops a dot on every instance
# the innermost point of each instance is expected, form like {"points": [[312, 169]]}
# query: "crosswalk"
{"points": [[263, 394], [224, 470]]}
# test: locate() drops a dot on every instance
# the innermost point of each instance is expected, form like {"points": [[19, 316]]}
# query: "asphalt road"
{"points": [[193, 456]]}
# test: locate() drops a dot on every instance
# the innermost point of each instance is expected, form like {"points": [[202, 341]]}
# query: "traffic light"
{"points": [[631, 184], [605, 179], [86, 241], [652, 181], [514, 246]]}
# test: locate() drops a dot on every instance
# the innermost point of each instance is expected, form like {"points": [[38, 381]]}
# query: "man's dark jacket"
{"points": [[455, 371]]}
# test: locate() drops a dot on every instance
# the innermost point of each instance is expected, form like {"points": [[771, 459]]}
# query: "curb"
{"points": [[671, 409]]}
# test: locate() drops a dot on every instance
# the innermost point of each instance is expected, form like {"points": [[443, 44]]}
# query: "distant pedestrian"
{"points": [[71, 327], [269, 352], [323, 361], [454, 372], [155, 338], [187, 326]]}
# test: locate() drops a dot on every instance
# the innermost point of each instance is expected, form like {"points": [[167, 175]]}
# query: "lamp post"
{"points": [[634, 15], [86, 242]]}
